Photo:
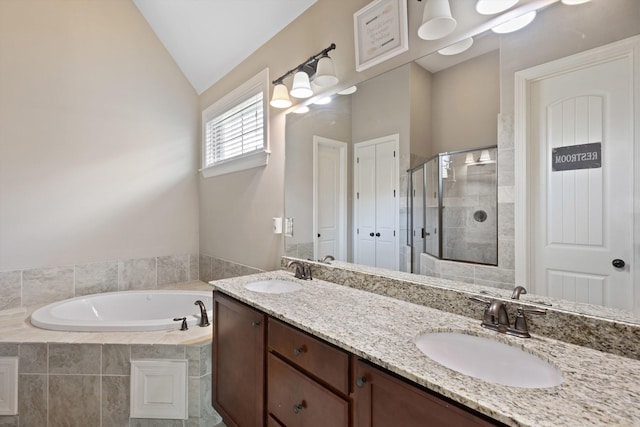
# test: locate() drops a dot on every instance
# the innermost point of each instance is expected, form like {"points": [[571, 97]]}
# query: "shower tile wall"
{"points": [[88, 384], [468, 236]]}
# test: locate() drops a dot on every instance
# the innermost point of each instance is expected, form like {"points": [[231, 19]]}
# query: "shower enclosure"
{"points": [[454, 209]]}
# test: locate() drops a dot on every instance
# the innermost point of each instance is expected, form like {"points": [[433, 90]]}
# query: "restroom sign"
{"points": [[584, 156]]}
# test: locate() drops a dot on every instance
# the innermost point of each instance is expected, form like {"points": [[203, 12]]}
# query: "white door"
{"points": [[582, 218], [417, 218], [376, 206], [329, 198]]}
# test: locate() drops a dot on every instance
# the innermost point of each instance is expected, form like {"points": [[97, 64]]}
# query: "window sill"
{"points": [[250, 161]]}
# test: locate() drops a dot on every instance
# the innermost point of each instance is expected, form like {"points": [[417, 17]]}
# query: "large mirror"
{"points": [[401, 118]]}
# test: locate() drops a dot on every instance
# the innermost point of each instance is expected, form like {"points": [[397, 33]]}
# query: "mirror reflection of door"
{"points": [[376, 204], [582, 215], [329, 198], [418, 232]]}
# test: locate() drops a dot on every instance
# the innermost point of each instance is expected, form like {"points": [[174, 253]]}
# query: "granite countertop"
{"points": [[598, 389], [16, 327]]}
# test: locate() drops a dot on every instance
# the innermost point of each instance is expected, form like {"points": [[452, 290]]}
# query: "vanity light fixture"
{"points": [[301, 110], [574, 2], [457, 48], [437, 21], [491, 7], [515, 24], [484, 156], [318, 69], [348, 91], [322, 101]]}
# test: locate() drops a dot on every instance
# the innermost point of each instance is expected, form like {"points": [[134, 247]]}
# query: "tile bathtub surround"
{"points": [[212, 268], [598, 388], [88, 384], [37, 286], [609, 330]]}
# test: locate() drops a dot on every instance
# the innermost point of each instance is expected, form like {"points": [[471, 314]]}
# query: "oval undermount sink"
{"points": [[273, 286], [488, 360]]}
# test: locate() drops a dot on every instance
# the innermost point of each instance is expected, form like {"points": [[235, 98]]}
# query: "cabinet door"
{"points": [[382, 400], [238, 362], [297, 401]]}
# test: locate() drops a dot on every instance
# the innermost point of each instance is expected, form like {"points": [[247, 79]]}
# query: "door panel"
{"points": [[366, 206], [386, 174], [583, 219]]}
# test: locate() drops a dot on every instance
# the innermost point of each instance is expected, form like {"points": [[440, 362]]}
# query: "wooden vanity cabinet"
{"points": [[238, 362], [307, 379], [381, 400]]}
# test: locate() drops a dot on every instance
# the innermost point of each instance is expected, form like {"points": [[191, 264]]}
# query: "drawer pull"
{"points": [[255, 323], [360, 382], [298, 351], [298, 407]]}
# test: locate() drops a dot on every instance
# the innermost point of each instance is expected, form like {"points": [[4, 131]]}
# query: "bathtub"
{"points": [[123, 311]]}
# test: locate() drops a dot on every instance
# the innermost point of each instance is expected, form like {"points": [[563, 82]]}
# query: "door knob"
{"points": [[377, 234], [371, 234], [618, 263]]}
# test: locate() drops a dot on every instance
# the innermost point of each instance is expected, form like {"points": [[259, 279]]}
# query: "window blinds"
{"points": [[236, 132]]}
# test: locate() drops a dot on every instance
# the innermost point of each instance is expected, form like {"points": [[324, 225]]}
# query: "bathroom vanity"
{"points": [[328, 354], [309, 382]]}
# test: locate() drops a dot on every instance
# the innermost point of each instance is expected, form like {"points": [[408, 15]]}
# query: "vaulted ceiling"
{"points": [[208, 38]]}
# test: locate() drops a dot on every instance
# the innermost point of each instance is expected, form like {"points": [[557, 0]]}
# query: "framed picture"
{"points": [[380, 32]]}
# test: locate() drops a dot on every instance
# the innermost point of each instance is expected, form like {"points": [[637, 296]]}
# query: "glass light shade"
{"points": [[301, 86], [301, 110], [323, 101], [457, 48], [491, 7], [280, 98], [515, 24], [348, 91], [437, 21], [484, 156], [469, 159], [574, 2], [325, 73]]}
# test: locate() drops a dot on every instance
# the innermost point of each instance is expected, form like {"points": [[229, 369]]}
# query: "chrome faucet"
{"points": [[496, 318], [204, 318], [302, 271]]}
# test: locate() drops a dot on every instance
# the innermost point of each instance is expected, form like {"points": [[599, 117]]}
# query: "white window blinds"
{"points": [[236, 132]]}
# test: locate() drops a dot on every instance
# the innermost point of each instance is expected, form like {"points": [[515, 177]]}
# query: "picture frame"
{"points": [[380, 32]]}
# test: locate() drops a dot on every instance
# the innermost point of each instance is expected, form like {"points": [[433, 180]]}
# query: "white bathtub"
{"points": [[123, 311]]}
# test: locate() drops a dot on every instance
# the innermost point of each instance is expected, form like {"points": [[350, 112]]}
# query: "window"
{"points": [[235, 129]]}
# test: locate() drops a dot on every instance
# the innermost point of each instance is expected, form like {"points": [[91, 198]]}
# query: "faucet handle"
{"points": [[520, 327]]}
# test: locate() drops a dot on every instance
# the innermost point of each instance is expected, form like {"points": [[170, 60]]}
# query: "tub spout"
{"points": [[204, 318]]}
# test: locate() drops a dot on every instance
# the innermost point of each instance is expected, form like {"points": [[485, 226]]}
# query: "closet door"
{"points": [[376, 204]]}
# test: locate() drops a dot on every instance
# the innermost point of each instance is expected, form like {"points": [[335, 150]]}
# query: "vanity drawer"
{"points": [[296, 400], [327, 363]]}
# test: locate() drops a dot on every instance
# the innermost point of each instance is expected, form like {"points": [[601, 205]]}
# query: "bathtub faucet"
{"points": [[204, 318]]}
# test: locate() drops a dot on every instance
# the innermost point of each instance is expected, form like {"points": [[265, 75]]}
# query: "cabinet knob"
{"points": [[255, 323], [297, 408], [360, 382], [298, 351]]}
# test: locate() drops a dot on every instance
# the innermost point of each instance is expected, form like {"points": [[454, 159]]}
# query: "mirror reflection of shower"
{"points": [[454, 208]]}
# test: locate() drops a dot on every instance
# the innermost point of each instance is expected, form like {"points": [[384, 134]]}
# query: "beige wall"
{"points": [[467, 97], [98, 137]]}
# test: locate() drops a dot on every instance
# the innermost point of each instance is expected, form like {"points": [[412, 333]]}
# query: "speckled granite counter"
{"points": [[15, 327], [598, 389]]}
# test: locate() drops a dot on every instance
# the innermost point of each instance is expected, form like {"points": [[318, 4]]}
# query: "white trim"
{"points": [[259, 82], [253, 160], [342, 146], [629, 47]]}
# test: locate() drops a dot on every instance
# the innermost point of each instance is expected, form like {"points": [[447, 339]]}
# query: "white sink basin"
{"points": [[273, 286], [489, 360]]}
